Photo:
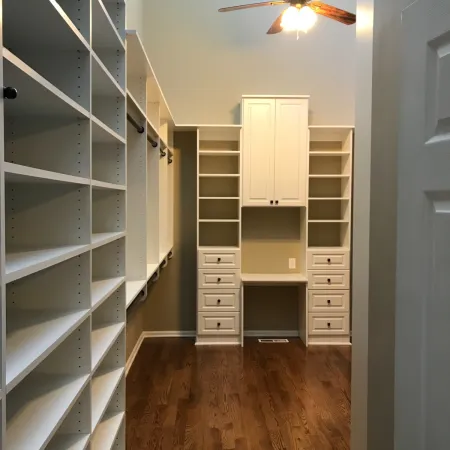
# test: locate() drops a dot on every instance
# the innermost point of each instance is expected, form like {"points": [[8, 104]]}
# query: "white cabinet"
{"points": [[275, 142]]}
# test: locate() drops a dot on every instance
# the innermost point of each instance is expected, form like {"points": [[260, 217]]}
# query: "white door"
{"points": [[291, 150], [258, 148], [422, 347]]}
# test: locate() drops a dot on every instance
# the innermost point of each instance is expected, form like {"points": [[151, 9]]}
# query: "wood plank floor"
{"points": [[261, 397]]}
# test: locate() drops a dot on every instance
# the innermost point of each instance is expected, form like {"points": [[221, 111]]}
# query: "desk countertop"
{"points": [[273, 278]]}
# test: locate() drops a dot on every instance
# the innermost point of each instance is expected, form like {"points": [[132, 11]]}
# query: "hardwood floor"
{"points": [[261, 397]]}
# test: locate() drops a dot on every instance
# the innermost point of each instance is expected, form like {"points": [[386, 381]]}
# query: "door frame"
{"points": [[374, 223]]}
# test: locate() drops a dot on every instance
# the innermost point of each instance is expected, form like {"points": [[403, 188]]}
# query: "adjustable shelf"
{"points": [[108, 210], [103, 83], [219, 234], [133, 289], [53, 387], [328, 210], [219, 175], [102, 134], [103, 288], [218, 209]]}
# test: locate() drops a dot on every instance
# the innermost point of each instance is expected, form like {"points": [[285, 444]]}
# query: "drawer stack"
{"points": [[218, 299], [329, 296]]}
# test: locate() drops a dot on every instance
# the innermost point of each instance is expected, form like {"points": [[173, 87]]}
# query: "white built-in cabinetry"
{"points": [[275, 145]]}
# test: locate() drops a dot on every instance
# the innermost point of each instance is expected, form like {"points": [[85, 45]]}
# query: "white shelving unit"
{"points": [[149, 173], [63, 244]]}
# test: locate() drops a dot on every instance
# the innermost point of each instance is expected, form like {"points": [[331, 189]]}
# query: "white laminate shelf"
{"points": [[37, 96], [103, 386], [133, 288], [136, 105], [102, 339], [103, 83], [69, 442], [99, 239], [328, 221], [32, 335], [106, 431], [329, 198], [277, 278], [219, 198], [219, 175], [151, 270], [328, 153], [218, 153], [104, 33], [33, 423], [103, 288], [15, 173], [105, 186], [23, 262], [102, 134], [337, 175], [218, 220]]}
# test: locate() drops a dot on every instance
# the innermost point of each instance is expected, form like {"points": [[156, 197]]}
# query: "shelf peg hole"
{"points": [[329, 302], [328, 324]]}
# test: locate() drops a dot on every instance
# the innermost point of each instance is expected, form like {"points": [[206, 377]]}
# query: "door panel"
{"points": [[291, 144], [258, 149], [422, 359]]}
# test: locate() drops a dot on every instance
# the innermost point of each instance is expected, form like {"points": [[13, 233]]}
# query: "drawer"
{"points": [[219, 258], [332, 301], [328, 279], [218, 323], [328, 259], [220, 279], [328, 324], [218, 300]]}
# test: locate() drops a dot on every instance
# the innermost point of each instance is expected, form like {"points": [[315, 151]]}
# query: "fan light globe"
{"points": [[295, 19]]}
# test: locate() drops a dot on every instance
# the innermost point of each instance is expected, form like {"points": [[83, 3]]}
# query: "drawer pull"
{"points": [[218, 300], [219, 280], [218, 324], [329, 302], [328, 324], [329, 261]]}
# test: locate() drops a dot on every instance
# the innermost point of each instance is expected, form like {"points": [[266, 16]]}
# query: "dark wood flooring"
{"points": [[261, 397]]}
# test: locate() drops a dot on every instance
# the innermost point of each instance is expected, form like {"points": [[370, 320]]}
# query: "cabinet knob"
{"points": [[9, 92], [329, 280], [329, 302], [219, 280], [218, 324], [219, 259], [328, 260], [328, 324], [218, 300], [276, 202], [271, 202]]}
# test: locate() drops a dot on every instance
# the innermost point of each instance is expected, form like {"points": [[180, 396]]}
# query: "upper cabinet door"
{"points": [[291, 145], [258, 152]]}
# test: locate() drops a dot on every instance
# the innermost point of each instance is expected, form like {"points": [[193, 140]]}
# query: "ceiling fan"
{"points": [[300, 15]]}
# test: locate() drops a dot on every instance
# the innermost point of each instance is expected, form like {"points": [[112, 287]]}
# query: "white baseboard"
{"points": [[168, 334], [271, 333], [133, 354]]}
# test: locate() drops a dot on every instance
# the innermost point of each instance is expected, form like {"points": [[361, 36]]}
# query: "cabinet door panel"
{"points": [[291, 144], [258, 149]]}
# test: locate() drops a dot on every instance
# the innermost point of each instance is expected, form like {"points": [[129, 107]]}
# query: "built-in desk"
{"points": [[279, 279]]}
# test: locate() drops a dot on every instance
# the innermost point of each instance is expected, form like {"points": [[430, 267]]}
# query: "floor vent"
{"points": [[273, 341]]}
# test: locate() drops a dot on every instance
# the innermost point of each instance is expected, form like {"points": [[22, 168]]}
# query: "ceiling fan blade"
{"points": [[276, 26], [252, 5], [332, 12]]}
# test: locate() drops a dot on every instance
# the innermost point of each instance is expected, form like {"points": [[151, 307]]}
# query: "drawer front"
{"points": [[332, 259], [218, 300], [217, 259], [328, 279], [218, 323], [328, 324], [218, 279], [322, 301]]}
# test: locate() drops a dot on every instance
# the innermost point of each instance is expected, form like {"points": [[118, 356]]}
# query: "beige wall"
{"points": [[206, 60]]}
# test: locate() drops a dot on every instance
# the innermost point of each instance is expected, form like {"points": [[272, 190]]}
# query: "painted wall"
{"points": [[205, 60]]}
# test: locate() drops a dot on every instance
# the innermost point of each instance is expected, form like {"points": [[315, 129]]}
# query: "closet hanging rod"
{"points": [[140, 129]]}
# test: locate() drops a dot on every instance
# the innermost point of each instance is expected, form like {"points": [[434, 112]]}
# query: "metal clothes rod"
{"points": [[140, 129]]}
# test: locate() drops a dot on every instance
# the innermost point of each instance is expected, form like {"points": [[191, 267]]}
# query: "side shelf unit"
{"points": [[219, 234], [149, 172], [329, 234], [63, 224]]}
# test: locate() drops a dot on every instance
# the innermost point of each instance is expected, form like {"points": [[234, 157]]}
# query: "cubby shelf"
{"points": [[133, 288], [37, 96], [103, 386], [23, 262], [99, 239], [103, 83], [101, 133], [103, 288], [218, 153], [328, 221], [104, 33], [106, 431], [219, 220], [103, 185], [32, 335], [135, 104], [328, 153], [28, 427], [69, 442], [329, 198], [218, 198], [151, 269], [338, 175], [102, 339]]}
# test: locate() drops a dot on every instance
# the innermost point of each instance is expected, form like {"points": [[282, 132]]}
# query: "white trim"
{"points": [[271, 333], [168, 334], [276, 96], [133, 354]]}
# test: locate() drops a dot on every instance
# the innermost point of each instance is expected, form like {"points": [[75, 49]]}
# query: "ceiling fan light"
{"points": [[307, 18], [290, 19]]}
